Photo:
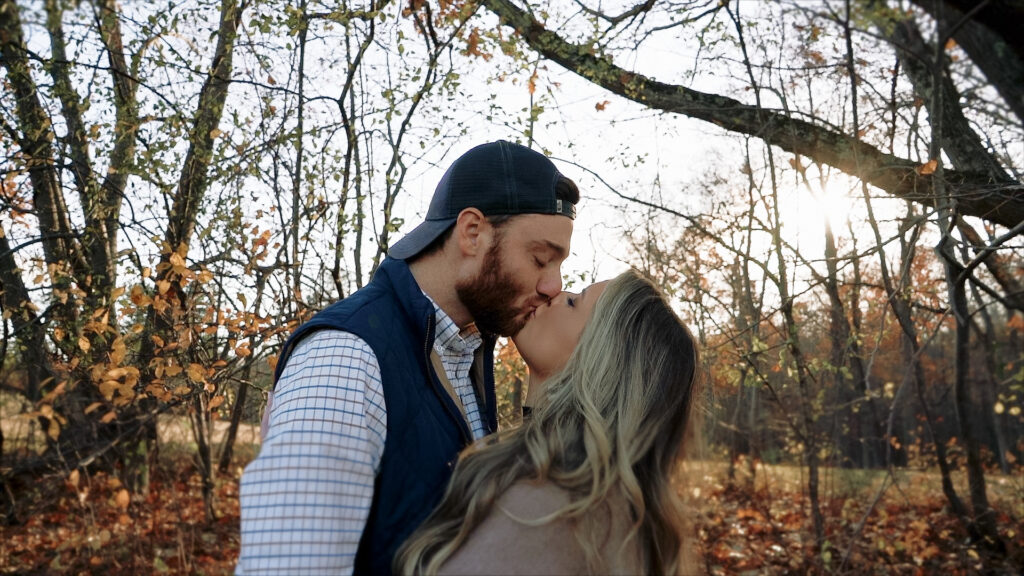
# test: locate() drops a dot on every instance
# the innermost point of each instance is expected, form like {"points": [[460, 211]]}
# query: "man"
{"points": [[376, 395]]}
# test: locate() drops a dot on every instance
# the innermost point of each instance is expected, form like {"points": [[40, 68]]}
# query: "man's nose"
{"points": [[550, 284]]}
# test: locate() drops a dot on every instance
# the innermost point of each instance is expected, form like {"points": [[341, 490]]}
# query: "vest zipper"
{"points": [[467, 435]]}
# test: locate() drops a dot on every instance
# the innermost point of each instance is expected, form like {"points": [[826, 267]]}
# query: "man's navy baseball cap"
{"points": [[495, 178]]}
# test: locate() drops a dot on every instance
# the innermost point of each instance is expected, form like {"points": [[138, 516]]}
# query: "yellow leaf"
{"points": [[215, 133], [146, 272], [117, 292], [196, 372], [123, 499], [158, 341], [53, 430], [108, 387], [117, 351], [173, 370], [138, 296], [83, 343], [162, 286], [73, 478], [115, 373], [92, 407], [999, 408]]}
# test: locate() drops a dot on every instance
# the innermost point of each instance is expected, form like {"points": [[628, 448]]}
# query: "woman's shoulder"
{"points": [[511, 541], [532, 500]]}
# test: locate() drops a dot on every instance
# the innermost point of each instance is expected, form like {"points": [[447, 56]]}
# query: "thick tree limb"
{"points": [[36, 142], [999, 57], [977, 195], [194, 175], [958, 139]]}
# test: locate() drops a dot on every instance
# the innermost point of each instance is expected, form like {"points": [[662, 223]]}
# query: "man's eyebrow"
{"points": [[548, 244]]}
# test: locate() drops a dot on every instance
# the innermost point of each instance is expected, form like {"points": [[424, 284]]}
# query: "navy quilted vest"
{"points": [[425, 430]]}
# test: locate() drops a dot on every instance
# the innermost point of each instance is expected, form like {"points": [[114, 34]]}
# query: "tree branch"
{"points": [[977, 195]]}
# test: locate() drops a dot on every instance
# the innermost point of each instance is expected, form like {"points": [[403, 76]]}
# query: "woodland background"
{"points": [[183, 183]]}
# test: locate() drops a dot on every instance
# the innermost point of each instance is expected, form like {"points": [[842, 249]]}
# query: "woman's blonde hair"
{"points": [[609, 425]]}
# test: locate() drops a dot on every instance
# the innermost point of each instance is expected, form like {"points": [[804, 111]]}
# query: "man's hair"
{"points": [[565, 190], [609, 427]]}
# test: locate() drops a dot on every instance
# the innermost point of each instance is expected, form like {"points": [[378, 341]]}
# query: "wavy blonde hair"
{"points": [[608, 427]]}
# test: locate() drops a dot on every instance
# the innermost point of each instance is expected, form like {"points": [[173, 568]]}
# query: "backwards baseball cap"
{"points": [[496, 178]]}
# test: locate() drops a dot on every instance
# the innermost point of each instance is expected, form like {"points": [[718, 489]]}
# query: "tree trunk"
{"points": [[227, 449], [189, 194]]}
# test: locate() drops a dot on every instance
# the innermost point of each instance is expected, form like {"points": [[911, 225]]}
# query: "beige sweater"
{"points": [[501, 545]]}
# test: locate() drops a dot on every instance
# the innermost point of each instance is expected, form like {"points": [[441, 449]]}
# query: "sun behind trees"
{"points": [[182, 184]]}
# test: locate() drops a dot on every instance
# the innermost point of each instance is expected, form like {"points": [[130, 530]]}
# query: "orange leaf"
{"points": [[83, 343], [108, 417], [928, 167], [216, 401], [123, 499], [196, 372], [601, 105]]}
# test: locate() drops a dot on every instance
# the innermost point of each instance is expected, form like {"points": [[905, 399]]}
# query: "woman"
{"points": [[584, 485]]}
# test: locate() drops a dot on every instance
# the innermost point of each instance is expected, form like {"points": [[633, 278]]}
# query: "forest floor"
{"points": [[89, 524]]}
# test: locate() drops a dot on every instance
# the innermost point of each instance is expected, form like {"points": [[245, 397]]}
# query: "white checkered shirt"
{"points": [[306, 497]]}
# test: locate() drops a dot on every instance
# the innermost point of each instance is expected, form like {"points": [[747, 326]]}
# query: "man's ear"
{"points": [[472, 232]]}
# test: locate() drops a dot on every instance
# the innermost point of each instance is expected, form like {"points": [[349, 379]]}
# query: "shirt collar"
{"points": [[448, 337]]}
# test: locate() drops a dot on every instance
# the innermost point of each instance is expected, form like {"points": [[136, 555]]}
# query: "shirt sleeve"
{"points": [[306, 498]]}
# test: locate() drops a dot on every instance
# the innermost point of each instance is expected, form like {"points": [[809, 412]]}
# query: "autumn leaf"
{"points": [[53, 430], [83, 343], [928, 167], [123, 499], [196, 373], [600, 106]]}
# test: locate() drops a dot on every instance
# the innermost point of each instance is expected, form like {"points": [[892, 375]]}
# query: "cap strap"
{"points": [[565, 208]]}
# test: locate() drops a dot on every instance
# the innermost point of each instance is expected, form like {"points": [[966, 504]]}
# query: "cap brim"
{"points": [[419, 238]]}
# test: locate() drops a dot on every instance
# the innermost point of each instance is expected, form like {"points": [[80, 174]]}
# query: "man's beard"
{"points": [[490, 295]]}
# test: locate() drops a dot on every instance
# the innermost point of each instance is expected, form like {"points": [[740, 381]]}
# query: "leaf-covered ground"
{"points": [[764, 527], [89, 524]]}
